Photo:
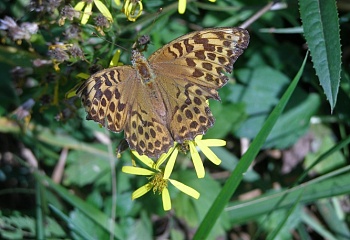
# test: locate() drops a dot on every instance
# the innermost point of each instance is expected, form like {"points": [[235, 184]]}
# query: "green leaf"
{"points": [[295, 121], [227, 117], [262, 90], [321, 30], [335, 220], [85, 168], [76, 230], [81, 224], [141, 228], [19, 227], [324, 140], [281, 228], [317, 226], [193, 211]]}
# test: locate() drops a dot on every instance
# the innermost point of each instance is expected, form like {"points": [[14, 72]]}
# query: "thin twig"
{"points": [[114, 189], [59, 168], [257, 15]]}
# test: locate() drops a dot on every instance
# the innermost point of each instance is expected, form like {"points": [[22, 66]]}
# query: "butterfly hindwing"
{"points": [[146, 128]]}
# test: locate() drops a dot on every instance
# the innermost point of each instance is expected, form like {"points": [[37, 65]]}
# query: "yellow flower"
{"points": [[88, 10], [182, 5], [203, 145], [132, 9], [156, 180]]}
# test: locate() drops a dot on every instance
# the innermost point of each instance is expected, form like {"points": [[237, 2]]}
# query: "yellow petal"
{"points": [[208, 153], [140, 191], [115, 59], [212, 0], [117, 2], [213, 142], [104, 10], [170, 164], [133, 11], [146, 160], [185, 189], [163, 157], [198, 137], [137, 171], [197, 162], [182, 6], [87, 13], [166, 199], [79, 6]]}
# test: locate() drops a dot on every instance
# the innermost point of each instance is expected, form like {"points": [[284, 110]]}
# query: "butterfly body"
{"points": [[142, 67], [162, 99]]}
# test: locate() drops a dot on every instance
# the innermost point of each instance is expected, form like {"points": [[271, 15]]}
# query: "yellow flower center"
{"points": [[184, 147], [158, 182]]}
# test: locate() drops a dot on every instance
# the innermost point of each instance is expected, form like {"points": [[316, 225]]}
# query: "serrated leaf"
{"points": [[321, 30]]}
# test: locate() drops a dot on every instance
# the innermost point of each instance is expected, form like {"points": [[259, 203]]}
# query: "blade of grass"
{"points": [[274, 233], [331, 218], [72, 225], [40, 234], [329, 185], [94, 214], [317, 226], [243, 165], [324, 156]]}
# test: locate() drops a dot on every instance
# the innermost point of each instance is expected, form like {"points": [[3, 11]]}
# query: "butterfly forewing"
{"points": [[104, 98], [162, 100], [203, 56], [197, 63]]}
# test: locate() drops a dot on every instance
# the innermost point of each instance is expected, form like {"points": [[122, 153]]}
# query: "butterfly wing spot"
{"points": [[190, 120], [146, 134]]}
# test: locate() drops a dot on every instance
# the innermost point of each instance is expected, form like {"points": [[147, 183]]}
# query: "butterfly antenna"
{"points": [[104, 39]]}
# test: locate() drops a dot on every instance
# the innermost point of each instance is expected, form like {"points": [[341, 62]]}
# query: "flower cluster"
{"points": [[16, 32], [63, 52]]}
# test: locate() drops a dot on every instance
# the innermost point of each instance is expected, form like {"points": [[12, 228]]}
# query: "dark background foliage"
{"points": [[55, 167]]}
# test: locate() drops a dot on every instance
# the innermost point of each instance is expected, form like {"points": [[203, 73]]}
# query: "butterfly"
{"points": [[162, 100]]}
